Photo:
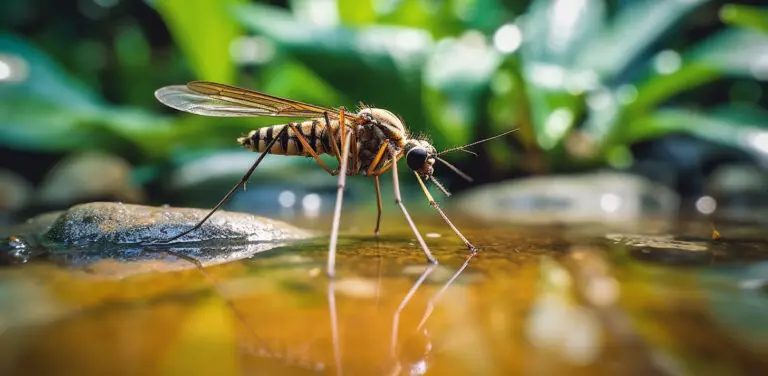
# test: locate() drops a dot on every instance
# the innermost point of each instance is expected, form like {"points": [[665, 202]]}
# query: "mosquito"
{"points": [[368, 143]]}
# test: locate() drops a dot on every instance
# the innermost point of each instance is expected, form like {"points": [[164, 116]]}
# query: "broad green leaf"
{"points": [[660, 88], [752, 17], [43, 108], [483, 15], [731, 52], [635, 28], [456, 75], [378, 65], [410, 13], [555, 32], [204, 31], [292, 79], [734, 52], [357, 12], [32, 73], [720, 126]]}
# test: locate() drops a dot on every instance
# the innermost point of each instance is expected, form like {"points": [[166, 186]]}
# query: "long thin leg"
{"points": [[378, 205], [376, 159], [432, 202], [399, 202], [343, 127], [386, 167], [436, 297], [337, 209], [309, 149], [403, 303], [331, 293], [334, 146], [231, 191]]}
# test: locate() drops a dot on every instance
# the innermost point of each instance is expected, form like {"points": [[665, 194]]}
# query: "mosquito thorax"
{"points": [[419, 155], [390, 126]]}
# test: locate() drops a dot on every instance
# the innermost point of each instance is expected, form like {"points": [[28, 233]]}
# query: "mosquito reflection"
{"points": [[419, 366]]}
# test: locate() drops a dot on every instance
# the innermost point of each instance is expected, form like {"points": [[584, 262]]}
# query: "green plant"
{"points": [[582, 82]]}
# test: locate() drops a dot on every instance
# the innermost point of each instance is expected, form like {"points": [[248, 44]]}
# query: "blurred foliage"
{"points": [[583, 81]]}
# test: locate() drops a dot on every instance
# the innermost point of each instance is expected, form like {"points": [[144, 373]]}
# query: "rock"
{"points": [[87, 177], [117, 223], [736, 192], [606, 198], [15, 191]]}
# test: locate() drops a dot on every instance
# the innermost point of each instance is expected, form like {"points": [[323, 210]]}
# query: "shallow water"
{"points": [[534, 301]]}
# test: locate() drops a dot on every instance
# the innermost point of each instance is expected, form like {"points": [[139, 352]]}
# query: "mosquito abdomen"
{"points": [[313, 131]]}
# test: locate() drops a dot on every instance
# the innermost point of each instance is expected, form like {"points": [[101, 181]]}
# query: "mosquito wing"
{"points": [[214, 99]]}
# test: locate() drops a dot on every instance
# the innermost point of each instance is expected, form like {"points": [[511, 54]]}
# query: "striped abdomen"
{"points": [[314, 131]]}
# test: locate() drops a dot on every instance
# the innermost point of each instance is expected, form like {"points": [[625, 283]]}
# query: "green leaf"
{"points": [[660, 88], [378, 65], [636, 27], [356, 12], [32, 73], [292, 79], [722, 126], [204, 31], [483, 15], [747, 16], [456, 75], [43, 108], [555, 34], [731, 52], [734, 52]]}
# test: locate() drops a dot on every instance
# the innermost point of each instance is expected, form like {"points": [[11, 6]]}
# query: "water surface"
{"points": [[534, 301]]}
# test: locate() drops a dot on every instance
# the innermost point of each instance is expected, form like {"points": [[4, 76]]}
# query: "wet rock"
{"points": [[116, 223], [87, 177], [606, 198]]}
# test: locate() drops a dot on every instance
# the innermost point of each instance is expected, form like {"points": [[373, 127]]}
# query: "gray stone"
{"points": [[606, 198], [116, 223], [86, 177]]}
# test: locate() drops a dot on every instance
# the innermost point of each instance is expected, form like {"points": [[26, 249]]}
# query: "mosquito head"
{"points": [[420, 156]]}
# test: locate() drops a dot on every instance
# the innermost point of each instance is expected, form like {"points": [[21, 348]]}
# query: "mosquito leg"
{"points": [[331, 293], [309, 149], [334, 146], [403, 303], [231, 191], [376, 159], [343, 128], [355, 154], [432, 202], [385, 168], [378, 206], [337, 210], [436, 297], [399, 202]]}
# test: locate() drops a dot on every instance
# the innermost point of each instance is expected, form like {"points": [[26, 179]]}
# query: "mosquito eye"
{"points": [[416, 158]]}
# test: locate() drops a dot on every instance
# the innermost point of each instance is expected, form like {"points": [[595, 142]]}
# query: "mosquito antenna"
{"points": [[455, 169], [440, 186], [462, 148]]}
